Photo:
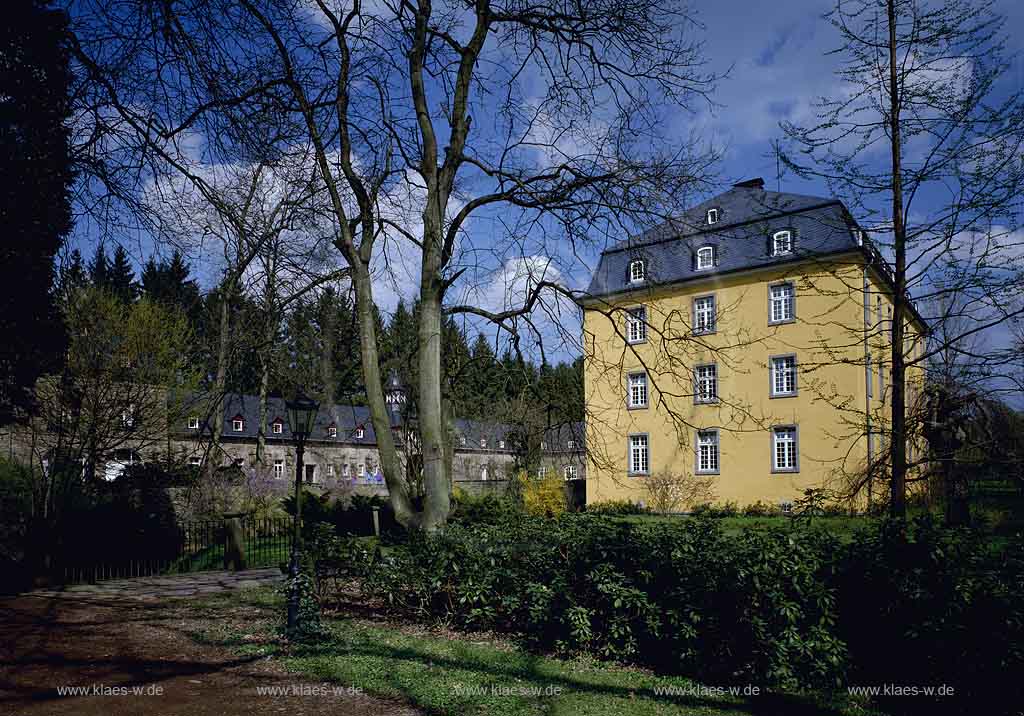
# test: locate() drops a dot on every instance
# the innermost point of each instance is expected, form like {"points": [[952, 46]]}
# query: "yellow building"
{"points": [[746, 341]]}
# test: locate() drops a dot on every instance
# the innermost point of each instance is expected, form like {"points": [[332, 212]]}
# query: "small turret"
{"points": [[394, 393]]}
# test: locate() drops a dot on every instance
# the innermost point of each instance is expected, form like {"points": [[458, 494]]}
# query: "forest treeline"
{"points": [[314, 345]]}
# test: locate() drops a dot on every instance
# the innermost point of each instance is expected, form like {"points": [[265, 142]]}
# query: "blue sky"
{"points": [[776, 56]]}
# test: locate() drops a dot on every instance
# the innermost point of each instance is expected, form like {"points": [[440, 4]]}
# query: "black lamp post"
{"points": [[301, 416]]}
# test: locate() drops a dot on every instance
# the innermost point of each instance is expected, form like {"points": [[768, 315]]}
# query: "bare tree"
{"points": [[924, 144], [544, 121]]}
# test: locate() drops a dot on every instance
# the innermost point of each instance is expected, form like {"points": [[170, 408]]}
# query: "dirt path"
{"points": [[132, 654]]}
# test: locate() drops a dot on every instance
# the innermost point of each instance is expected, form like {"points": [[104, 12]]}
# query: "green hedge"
{"points": [[781, 608]]}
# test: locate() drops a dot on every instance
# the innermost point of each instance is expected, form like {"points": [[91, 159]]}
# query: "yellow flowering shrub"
{"points": [[542, 497]]}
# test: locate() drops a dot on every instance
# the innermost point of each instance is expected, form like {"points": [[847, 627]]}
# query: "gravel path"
{"points": [[125, 646]]}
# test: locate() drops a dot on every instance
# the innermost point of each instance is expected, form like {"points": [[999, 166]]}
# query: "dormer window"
{"points": [[712, 216], [705, 258], [237, 424], [637, 271], [193, 423], [483, 442], [332, 431], [462, 440], [501, 444], [782, 243], [360, 433]]}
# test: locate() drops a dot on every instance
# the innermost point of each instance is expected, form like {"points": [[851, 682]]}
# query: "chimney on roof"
{"points": [[757, 183]]}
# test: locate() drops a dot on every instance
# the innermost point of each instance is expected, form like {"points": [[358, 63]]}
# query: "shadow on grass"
{"points": [[402, 671]]}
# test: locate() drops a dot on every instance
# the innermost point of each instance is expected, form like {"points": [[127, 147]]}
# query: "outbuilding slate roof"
{"points": [[347, 418], [748, 216]]}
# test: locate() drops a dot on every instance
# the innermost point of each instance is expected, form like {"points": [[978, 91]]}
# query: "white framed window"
{"points": [[570, 444], [277, 427], [483, 442], [712, 216], [638, 390], [705, 383], [707, 451], [784, 449], [501, 444], [193, 422], [705, 257], [237, 425], [542, 472], [361, 470], [278, 469], [781, 303], [636, 325], [360, 433], [782, 242], [783, 376], [332, 432], [786, 507], [637, 271], [462, 440], [484, 474], [570, 472], [330, 471], [639, 455], [704, 314]]}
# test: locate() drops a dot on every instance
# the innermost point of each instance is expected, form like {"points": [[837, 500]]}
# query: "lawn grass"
{"points": [[455, 674]]}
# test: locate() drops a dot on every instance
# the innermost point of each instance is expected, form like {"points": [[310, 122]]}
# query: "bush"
{"points": [[348, 517], [486, 509], [542, 496], [761, 509], [781, 608], [616, 508], [726, 509], [668, 491], [15, 513]]}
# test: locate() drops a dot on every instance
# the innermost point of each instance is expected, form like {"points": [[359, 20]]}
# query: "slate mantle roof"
{"points": [[348, 418], [748, 216]]}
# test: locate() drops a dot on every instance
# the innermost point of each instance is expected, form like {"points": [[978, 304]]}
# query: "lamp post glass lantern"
{"points": [[302, 413]]}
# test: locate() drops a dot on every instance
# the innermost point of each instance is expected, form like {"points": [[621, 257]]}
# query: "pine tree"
{"points": [[72, 275], [121, 276], [169, 282], [99, 268], [35, 197]]}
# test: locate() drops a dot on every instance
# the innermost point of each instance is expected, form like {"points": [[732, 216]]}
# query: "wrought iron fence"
{"points": [[186, 547]]}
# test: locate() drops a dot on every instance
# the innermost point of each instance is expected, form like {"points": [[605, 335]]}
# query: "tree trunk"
{"points": [[269, 333], [387, 451], [328, 337], [436, 476], [897, 443], [220, 382]]}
